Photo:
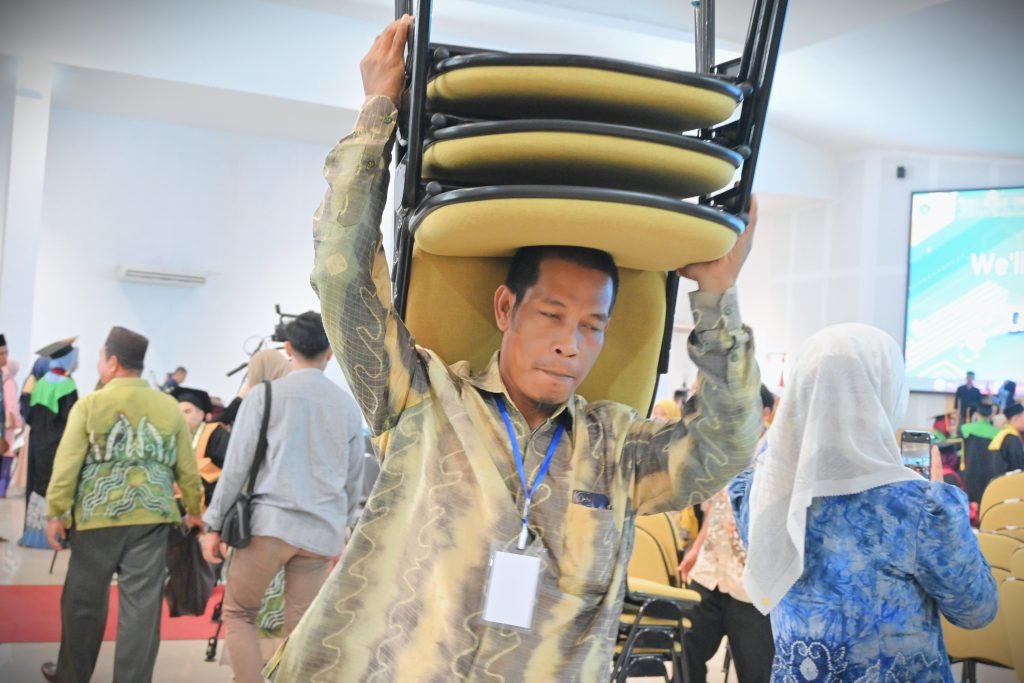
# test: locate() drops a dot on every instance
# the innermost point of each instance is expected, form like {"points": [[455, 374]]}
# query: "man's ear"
{"points": [[504, 305], [288, 349]]}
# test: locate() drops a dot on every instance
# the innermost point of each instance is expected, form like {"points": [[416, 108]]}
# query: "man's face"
{"points": [[179, 377], [193, 416], [555, 334], [3, 356], [970, 380], [105, 366]]}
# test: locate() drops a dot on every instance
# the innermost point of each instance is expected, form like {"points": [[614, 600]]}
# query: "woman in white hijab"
{"points": [[852, 553]]}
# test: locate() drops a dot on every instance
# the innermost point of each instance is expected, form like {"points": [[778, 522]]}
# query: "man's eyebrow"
{"points": [[553, 302], [561, 304]]}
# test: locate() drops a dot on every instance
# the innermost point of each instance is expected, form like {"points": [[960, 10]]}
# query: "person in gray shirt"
{"points": [[307, 491]]}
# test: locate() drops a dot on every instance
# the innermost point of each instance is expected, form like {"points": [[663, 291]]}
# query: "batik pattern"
{"points": [[879, 568], [128, 469], [405, 603]]}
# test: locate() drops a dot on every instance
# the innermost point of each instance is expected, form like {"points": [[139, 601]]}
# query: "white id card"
{"points": [[511, 590]]}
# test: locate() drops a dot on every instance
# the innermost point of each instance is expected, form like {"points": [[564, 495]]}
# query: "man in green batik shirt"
{"points": [[405, 603], [123, 450]]}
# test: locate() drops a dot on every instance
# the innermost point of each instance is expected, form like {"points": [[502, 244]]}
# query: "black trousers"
{"points": [[749, 632], [138, 554]]}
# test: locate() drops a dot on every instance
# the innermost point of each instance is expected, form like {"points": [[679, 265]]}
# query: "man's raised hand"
{"points": [[383, 67], [720, 275]]}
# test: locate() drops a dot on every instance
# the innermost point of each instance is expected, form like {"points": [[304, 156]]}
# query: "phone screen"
{"points": [[916, 449]]}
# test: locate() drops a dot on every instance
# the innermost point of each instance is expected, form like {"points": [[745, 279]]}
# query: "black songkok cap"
{"points": [[129, 347], [1015, 409]]}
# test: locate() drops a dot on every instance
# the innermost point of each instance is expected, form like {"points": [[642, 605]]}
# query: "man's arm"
{"points": [[67, 464], [350, 274], [238, 461], [186, 471], [681, 464]]}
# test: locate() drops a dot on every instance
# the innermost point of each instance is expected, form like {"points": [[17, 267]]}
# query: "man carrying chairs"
{"points": [[495, 543]]}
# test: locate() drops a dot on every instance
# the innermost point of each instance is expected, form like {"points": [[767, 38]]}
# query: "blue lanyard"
{"points": [[530, 490]]}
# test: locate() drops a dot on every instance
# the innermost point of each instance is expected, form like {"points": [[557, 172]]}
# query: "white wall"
{"points": [[122, 191], [817, 263]]}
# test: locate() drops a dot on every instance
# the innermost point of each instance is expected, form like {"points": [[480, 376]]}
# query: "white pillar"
{"points": [[22, 220]]}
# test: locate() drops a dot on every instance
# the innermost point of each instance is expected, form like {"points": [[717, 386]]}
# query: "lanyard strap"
{"points": [[541, 473]]}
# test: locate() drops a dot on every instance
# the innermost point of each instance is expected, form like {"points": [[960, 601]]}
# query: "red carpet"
{"points": [[31, 614]]}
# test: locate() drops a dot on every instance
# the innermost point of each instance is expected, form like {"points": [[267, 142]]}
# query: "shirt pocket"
{"points": [[590, 549]]}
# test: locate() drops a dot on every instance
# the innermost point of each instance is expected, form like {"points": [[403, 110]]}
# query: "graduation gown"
{"points": [[47, 429], [1007, 452]]}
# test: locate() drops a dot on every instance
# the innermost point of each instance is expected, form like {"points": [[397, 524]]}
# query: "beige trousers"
{"points": [[251, 571]]}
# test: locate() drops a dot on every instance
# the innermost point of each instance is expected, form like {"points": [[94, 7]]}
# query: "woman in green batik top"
{"points": [[50, 403]]}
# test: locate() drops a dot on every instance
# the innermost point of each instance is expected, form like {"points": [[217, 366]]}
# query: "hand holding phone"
{"points": [[916, 451]]}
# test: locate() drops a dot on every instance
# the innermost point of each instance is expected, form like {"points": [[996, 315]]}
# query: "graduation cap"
{"points": [[197, 397], [1014, 410], [57, 349]]}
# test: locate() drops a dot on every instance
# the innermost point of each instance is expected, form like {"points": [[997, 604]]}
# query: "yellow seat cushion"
{"points": [[450, 310], [659, 590], [574, 153], [589, 89], [642, 232]]}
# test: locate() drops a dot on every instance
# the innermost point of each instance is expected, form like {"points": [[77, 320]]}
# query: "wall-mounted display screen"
{"points": [[965, 288]]}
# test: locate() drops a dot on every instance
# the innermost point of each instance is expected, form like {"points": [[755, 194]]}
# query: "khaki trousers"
{"points": [[251, 571]]}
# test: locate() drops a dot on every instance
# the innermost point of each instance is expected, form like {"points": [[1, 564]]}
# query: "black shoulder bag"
{"points": [[237, 528]]}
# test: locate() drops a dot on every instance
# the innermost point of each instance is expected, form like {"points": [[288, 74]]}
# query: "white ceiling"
{"points": [[932, 75]]}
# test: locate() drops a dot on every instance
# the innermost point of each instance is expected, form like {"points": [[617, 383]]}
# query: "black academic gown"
{"points": [[1009, 457], [216, 449], [47, 430]]}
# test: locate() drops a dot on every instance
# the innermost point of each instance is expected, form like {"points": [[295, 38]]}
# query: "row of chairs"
{"points": [[1001, 538], [657, 607]]}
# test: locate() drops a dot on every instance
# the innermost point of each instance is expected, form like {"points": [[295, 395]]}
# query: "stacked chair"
{"points": [[498, 151]]}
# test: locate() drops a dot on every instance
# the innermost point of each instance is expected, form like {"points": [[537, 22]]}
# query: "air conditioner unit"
{"points": [[167, 278]]}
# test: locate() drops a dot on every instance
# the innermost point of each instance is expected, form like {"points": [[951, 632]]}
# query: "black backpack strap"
{"points": [[261, 445]]}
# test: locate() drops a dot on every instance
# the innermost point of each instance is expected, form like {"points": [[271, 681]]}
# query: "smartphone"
{"points": [[916, 449]]}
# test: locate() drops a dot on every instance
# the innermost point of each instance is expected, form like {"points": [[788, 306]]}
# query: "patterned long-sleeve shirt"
{"points": [[879, 566], [123, 450], [405, 603]]}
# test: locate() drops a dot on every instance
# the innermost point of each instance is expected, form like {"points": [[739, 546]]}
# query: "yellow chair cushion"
{"points": [[660, 590], [588, 89], [642, 232], [572, 153], [998, 548], [450, 310]]}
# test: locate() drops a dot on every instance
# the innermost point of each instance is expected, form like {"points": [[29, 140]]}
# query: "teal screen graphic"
{"points": [[965, 289]]}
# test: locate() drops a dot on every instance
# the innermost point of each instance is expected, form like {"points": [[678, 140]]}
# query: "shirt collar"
{"points": [[489, 380], [127, 382]]}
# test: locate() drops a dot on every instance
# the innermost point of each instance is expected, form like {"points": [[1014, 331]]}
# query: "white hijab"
{"points": [[834, 435]]}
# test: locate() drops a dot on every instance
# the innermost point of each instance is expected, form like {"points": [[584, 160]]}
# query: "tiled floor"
{"points": [[179, 661]]}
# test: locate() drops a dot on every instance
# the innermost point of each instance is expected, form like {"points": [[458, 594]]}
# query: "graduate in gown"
{"points": [[1007, 449], [49, 405], [209, 439]]}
